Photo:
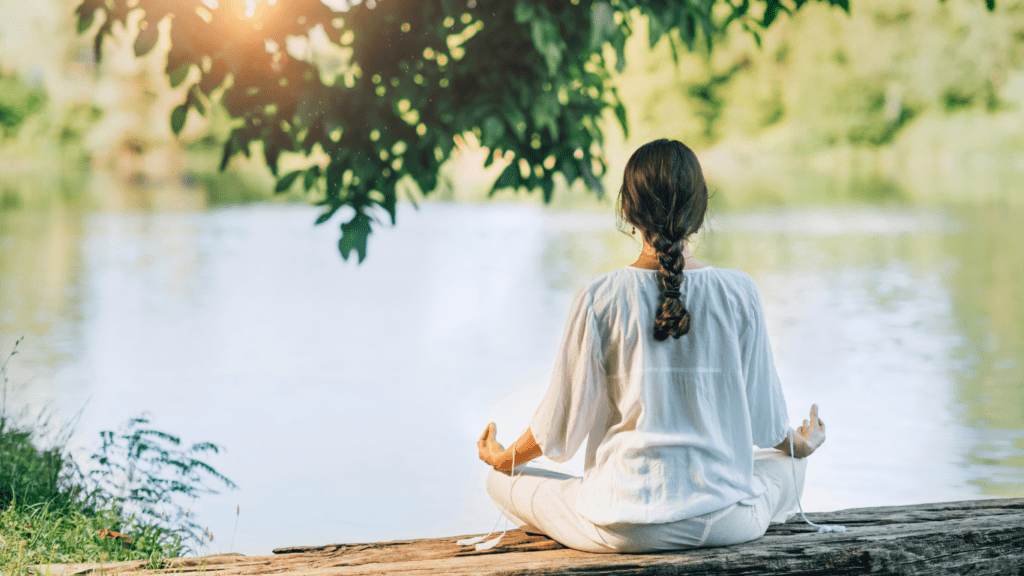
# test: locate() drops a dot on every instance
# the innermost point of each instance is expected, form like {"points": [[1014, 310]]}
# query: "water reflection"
{"points": [[922, 303], [350, 398]]}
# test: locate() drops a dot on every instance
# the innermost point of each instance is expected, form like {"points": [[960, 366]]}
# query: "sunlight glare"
{"points": [[337, 5]]}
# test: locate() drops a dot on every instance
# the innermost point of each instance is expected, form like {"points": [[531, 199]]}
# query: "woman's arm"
{"points": [[807, 437], [491, 452]]}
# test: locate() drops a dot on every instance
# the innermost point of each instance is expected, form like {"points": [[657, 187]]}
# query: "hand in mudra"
{"points": [[490, 450], [813, 430]]}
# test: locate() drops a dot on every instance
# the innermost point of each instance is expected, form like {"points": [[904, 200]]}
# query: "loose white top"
{"points": [[672, 424]]}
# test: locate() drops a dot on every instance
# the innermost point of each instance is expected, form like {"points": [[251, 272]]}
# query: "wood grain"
{"points": [[977, 537]]}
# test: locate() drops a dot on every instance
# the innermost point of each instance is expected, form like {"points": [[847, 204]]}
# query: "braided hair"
{"points": [[664, 195]]}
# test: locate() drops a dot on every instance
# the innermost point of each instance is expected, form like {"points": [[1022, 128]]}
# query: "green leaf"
{"points": [[546, 111], [672, 48], [655, 30], [708, 27], [548, 42], [327, 215], [426, 181], [493, 131], [620, 113], [524, 11], [177, 76], [146, 39], [312, 175], [516, 119], [335, 173], [688, 30], [286, 181], [353, 236], [509, 178], [97, 42], [194, 99], [229, 151], [85, 18], [271, 152], [390, 202], [619, 44], [178, 118], [570, 169], [547, 185], [602, 24], [589, 179], [771, 11]]}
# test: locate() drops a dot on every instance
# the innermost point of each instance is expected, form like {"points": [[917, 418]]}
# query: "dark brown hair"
{"points": [[664, 195]]}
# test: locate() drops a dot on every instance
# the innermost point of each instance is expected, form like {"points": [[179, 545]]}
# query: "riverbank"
{"points": [[982, 536]]}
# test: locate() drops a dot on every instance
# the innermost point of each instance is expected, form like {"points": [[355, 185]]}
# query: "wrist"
{"points": [[504, 461], [807, 448]]}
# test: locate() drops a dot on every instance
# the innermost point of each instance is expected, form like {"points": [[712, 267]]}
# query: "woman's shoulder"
{"points": [[632, 274], [613, 280], [611, 284], [737, 284], [735, 276]]}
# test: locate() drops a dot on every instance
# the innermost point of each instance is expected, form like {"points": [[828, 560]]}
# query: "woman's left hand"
{"points": [[491, 451]]}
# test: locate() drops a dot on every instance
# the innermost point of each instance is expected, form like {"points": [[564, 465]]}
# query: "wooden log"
{"points": [[977, 537]]}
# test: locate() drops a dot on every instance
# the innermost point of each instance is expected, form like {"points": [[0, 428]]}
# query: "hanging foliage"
{"points": [[530, 77]]}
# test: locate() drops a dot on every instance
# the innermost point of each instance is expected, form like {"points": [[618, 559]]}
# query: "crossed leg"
{"points": [[541, 496]]}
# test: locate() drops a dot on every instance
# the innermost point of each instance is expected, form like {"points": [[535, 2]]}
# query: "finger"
{"points": [[484, 435], [814, 413]]}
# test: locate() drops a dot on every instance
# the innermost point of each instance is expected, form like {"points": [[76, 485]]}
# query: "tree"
{"points": [[529, 77]]}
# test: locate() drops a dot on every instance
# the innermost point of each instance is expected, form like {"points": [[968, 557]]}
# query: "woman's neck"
{"points": [[648, 259]]}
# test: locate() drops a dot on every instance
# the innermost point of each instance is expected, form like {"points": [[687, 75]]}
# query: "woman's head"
{"points": [[664, 195]]}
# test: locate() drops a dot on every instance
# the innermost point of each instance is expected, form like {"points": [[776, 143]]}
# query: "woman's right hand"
{"points": [[491, 451], [812, 431]]}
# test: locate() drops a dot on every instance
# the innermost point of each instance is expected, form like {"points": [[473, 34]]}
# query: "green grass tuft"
{"points": [[126, 507]]}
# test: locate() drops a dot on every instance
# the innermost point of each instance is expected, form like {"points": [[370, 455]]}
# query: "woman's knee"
{"points": [[498, 484], [742, 524]]}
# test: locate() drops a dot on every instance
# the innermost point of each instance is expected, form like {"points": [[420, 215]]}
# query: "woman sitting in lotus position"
{"points": [[665, 365]]}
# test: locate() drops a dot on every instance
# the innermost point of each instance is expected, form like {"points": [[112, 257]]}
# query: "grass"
{"points": [[127, 506], [45, 534]]}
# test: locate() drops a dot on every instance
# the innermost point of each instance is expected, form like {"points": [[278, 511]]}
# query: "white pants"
{"points": [[543, 501]]}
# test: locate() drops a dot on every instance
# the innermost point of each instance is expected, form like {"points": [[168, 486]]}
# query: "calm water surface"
{"points": [[349, 398]]}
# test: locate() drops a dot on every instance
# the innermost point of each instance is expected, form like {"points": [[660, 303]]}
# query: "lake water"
{"points": [[349, 398]]}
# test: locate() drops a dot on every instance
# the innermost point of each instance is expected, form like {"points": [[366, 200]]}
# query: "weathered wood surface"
{"points": [[972, 537]]}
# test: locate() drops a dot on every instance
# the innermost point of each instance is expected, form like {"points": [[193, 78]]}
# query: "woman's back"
{"points": [[671, 423]]}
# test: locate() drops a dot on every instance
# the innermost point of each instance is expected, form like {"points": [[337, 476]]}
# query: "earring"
{"points": [[634, 231]]}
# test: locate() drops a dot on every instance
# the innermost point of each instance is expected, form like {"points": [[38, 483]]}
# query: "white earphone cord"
{"points": [[822, 528], [480, 544]]}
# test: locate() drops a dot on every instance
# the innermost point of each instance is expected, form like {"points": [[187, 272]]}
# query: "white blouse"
{"points": [[672, 424]]}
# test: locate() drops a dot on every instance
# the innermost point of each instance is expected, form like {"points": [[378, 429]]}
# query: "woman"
{"points": [[665, 365]]}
